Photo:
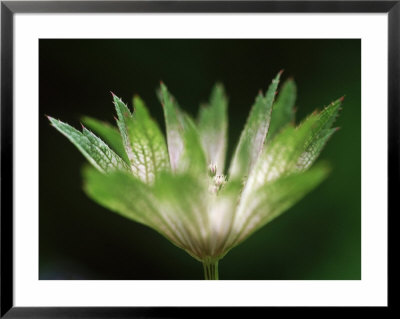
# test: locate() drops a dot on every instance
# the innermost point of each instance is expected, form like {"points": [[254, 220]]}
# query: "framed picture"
{"points": [[187, 129]]}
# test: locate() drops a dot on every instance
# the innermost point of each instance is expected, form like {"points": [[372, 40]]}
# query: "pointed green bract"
{"points": [[120, 193], [174, 127], [254, 133], [274, 198], [282, 154], [143, 141], [283, 109], [149, 153], [92, 147], [314, 148], [295, 148], [129, 197], [109, 134], [213, 126], [319, 134], [193, 158], [123, 114], [184, 141]]}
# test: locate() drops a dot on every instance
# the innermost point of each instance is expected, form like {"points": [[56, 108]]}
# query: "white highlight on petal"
{"points": [[175, 148], [220, 215]]}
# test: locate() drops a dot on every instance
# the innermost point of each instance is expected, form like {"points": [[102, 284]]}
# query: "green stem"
{"points": [[210, 270]]}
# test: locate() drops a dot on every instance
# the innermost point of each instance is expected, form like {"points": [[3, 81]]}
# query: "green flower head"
{"points": [[179, 185]]}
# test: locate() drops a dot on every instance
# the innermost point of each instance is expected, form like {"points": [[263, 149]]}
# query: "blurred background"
{"points": [[319, 238]]}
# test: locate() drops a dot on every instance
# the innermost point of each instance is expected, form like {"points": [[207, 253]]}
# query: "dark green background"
{"points": [[319, 238]]}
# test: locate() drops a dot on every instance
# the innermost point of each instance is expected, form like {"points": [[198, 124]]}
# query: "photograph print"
{"points": [[193, 159]]}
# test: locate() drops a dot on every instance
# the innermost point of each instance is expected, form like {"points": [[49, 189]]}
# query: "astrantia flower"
{"points": [[179, 185]]}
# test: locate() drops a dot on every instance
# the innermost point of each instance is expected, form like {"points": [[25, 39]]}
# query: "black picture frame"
{"points": [[9, 8]]}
